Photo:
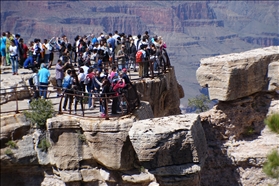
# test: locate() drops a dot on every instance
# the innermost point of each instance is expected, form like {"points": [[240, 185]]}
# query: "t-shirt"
{"points": [[59, 73], [43, 75], [13, 50]]}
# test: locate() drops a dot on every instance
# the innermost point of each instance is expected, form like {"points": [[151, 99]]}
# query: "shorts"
{"points": [[59, 83], [3, 52]]}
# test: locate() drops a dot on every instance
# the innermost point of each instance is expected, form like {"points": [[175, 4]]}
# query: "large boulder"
{"points": [[232, 76], [171, 147]]}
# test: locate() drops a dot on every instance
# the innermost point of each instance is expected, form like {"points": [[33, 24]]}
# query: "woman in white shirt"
{"points": [[14, 57]]}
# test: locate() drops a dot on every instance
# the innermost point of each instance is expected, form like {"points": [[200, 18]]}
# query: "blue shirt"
{"points": [[43, 75], [112, 42], [94, 40]]}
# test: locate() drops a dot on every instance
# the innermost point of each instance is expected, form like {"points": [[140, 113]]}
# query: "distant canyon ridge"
{"points": [[191, 29]]}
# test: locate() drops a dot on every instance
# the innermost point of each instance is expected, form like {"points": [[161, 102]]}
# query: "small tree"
{"points": [[200, 103], [271, 166], [41, 110], [273, 122]]}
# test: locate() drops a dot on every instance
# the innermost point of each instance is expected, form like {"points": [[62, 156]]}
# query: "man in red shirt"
{"points": [[22, 49]]}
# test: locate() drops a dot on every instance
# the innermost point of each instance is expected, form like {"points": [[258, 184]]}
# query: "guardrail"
{"points": [[130, 96]]}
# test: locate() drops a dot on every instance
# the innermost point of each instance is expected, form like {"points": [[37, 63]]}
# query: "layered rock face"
{"points": [[238, 141], [109, 152], [233, 76]]}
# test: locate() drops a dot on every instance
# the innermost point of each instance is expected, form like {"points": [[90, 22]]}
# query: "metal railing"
{"points": [[130, 96]]}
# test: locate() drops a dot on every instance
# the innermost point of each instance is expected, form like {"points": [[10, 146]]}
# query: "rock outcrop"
{"points": [[238, 141], [233, 76], [162, 93], [110, 152]]}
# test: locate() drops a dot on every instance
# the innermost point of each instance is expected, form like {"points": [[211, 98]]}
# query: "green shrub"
{"points": [[248, 131], [11, 144], [273, 122], [81, 136], [9, 152], [41, 110], [44, 144], [271, 167], [200, 103]]}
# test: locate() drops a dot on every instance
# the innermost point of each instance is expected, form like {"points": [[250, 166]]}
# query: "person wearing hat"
{"points": [[43, 76]]}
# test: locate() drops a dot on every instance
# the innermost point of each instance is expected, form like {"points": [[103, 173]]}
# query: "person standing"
{"points": [[3, 49], [67, 86], [44, 76], [9, 37], [132, 55], [22, 50], [37, 49], [59, 75], [121, 57], [13, 51]]}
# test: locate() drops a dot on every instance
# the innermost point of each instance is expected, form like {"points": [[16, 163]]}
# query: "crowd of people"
{"points": [[102, 62]]}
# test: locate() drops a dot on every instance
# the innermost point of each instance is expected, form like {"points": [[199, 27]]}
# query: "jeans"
{"points": [[43, 89], [14, 64]]}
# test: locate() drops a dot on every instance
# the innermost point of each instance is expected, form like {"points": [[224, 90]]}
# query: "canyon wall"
{"points": [[191, 29]]}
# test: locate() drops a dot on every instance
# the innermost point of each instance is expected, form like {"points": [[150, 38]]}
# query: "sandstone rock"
{"points": [[273, 108], [89, 175], [52, 180], [25, 153], [144, 112], [138, 178], [247, 115], [237, 75], [70, 176], [110, 145], [273, 75], [169, 141], [13, 127], [162, 93]]}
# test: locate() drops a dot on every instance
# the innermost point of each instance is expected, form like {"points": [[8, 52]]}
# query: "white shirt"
{"points": [[13, 50], [85, 69], [35, 46], [81, 76]]}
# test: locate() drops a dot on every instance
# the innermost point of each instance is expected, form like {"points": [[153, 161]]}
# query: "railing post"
{"points": [[107, 116], [16, 101], [60, 103]]}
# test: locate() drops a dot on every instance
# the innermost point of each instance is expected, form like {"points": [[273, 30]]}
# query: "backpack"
{"points": [[139, 56], [67, 82], [87, 80]]}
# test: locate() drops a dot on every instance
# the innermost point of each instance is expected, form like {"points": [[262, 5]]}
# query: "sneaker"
{"points": [[64, 109], [103, 115], [92, 107]]}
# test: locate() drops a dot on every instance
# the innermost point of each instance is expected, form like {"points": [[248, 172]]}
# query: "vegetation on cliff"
{"points": [[200, 103], [41, 110], [271, 167]]}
